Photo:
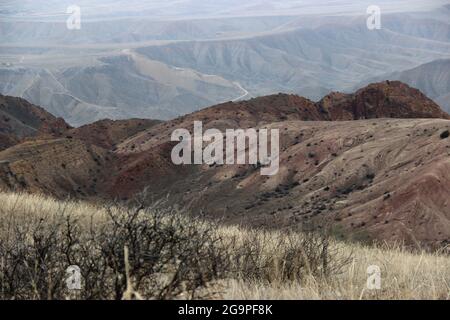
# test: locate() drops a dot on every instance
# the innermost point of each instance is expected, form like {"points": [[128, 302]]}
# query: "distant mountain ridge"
{"points": [[139, 68], [333, 53], [118, 87]]}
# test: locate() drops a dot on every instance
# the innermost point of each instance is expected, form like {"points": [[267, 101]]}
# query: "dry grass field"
{"points": [[404, 276], [137, 253]]}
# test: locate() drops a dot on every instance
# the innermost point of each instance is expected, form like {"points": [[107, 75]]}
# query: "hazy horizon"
{"points": [[189, 9], [163, 59]]}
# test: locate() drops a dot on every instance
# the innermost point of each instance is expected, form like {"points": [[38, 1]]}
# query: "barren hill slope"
{"points": [[60, 167], [20, 119], [107, 133], [387, 99], [383, 178], [41, 153], [372, 178]]}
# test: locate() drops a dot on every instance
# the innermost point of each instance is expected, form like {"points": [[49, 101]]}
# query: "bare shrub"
{"points": [[140, 251], [168, 254], [287, 256]]}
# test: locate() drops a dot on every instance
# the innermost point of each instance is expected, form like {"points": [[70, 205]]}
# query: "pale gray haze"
{"points": [[162, 59]]}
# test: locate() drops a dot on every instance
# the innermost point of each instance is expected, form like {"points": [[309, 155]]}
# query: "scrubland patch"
{"points": [[137, 252]]}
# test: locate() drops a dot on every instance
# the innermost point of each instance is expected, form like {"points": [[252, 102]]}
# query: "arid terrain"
{"points": [[373, 164], [134, 160], [165, 59], [432, 78], [212, 261]]}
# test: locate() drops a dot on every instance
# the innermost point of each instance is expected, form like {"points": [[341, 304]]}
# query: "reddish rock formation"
{"points": [[20, 119], [378, 178], [389, 99]]}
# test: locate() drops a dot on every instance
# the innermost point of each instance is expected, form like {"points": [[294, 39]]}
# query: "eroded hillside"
{"points": [[374, 164]]}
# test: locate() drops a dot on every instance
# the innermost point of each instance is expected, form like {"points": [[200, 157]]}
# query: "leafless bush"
{"points": [[139, 251], [168, 254], [287, 256]]}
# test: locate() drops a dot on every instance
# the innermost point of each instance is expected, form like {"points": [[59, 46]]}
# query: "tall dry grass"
{"points": [[259, 264], [404, 275]]}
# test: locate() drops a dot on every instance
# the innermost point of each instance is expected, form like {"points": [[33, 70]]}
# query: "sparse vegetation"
{"points": [[40, 239], [169, 255], [445, 134], [137, 252]]}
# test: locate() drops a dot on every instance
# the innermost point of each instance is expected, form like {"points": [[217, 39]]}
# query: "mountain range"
{"points": [[373, 163], [134, 64]]}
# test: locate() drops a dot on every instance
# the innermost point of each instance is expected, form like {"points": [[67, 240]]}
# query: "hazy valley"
{"points": [[162, 67]]}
